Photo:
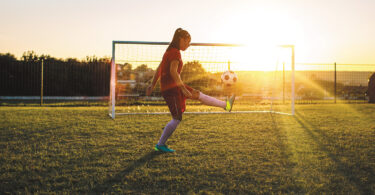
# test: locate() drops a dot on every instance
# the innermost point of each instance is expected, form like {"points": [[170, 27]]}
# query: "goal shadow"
{"points": [[342, 168]]}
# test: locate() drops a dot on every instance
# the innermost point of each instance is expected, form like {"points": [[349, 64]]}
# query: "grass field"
{"points": [[78, 150]]}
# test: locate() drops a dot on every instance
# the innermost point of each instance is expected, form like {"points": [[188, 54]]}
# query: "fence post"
{"points": [[41, 83], [335, 83]]}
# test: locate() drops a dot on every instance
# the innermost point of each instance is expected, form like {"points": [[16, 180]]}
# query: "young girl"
{"points": [[174, 91]]}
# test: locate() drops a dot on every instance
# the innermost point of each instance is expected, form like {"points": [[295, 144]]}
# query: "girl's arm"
{"points": [[176, 77], [155, 78]]}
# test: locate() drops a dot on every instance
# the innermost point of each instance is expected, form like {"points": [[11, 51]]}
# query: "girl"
{"points": [[174, 91]]}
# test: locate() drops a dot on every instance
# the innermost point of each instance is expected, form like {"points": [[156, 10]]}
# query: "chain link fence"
{"points": [[22, 81], [332, 83]]}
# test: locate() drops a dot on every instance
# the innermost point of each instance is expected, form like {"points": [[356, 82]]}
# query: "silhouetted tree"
{"points": [[30, 56]]}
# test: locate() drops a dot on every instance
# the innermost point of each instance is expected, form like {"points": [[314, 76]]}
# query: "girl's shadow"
{"points": [[119, 177]]}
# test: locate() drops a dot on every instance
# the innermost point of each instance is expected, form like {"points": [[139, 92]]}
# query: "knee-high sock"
{"points": [[211, 101], [168, 130]]}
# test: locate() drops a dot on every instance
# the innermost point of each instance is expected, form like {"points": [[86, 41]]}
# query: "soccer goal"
{"points": [[265, 77]]}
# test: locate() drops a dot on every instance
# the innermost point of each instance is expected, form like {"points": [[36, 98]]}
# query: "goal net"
{"points": [[265, 77]]}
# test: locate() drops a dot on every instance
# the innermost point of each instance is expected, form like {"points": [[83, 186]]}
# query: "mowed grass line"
{"points": [[323, 149]]}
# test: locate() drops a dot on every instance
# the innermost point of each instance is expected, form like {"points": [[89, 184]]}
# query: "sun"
{"points": [[260, 32], [259, 58]]}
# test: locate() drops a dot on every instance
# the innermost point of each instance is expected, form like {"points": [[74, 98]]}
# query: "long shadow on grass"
{"points": [[294, 187], [347, 171], [119, 177], [281, 139]]}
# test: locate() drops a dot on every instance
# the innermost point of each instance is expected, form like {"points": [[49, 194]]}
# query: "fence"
{"points": [[23, 79], [315, 83], [333, 82]]}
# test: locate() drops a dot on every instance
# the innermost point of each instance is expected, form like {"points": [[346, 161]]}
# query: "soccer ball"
{"points": [[229, 78]]}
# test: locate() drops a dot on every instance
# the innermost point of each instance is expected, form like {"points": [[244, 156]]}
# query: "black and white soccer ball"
{"points": [[229, 78]]}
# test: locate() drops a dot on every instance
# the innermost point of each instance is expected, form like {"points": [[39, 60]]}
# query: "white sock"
{"points": [[211, 101], [168, 130]]}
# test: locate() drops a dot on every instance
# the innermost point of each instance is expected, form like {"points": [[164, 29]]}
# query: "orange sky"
{"points": [[323, 31]]}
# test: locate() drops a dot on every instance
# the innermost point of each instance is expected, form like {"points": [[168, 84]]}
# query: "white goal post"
{"points": [[262, 87]]}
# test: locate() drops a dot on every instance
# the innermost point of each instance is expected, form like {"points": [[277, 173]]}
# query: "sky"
{"points": [[323, 31]]}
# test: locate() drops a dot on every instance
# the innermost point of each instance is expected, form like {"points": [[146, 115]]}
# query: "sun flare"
{"points": [[260, 32], [260, 58]]}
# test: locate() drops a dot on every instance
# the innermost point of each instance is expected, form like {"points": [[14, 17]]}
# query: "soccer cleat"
{"points": [[230, 103], [163, 148]]}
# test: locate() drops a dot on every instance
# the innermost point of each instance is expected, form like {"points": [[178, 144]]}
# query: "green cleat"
{"points": [[230, 103], [163, 148]]}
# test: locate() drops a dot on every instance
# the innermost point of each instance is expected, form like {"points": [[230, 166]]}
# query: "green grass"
{"points": [[78, 150]]}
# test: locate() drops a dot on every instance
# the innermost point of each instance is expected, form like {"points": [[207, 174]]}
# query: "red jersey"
{"points": [[167, 84], [171, 93]]}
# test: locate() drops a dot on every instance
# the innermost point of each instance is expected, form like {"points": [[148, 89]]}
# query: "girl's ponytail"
{"points": [[178, 34]]}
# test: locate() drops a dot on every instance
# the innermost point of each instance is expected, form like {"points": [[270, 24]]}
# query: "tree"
{"points": [[194, 75], [30, 56], [124, 71], [193, 71], [143, 76], [7, 58], [142, 68]]}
